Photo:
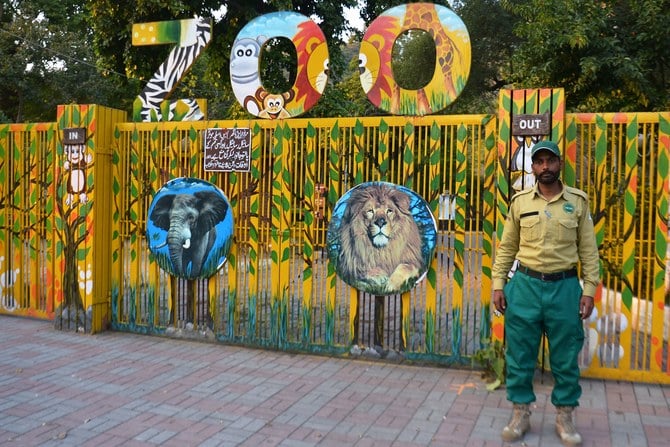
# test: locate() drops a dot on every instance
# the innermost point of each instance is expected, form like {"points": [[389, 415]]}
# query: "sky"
{"points": [[353, 16]]}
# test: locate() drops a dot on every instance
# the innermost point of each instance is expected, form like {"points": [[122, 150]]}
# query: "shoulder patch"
{"points": [[522, 193], [577, 192]]}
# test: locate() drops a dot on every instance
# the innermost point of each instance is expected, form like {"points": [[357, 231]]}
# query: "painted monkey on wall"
{"points": [[76, 161], [190, 221]]}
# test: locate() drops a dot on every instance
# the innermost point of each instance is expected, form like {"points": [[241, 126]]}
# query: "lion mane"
{"points": [[380, 241]]}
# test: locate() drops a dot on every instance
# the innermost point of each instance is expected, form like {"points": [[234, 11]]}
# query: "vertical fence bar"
{"points": [[660, 320], [629, 134], [488, 175]]}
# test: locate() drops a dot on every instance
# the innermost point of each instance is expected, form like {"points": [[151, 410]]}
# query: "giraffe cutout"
{"points": [[424, 16]]}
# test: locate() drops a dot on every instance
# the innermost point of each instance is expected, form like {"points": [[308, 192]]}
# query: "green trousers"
{"points": [[533, 307]]}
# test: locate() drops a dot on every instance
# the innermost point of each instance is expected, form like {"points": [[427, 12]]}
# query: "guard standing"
{"points": [[549, 230]]}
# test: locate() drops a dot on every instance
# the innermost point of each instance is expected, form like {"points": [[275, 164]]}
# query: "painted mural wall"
{"points": [[95, 208]]}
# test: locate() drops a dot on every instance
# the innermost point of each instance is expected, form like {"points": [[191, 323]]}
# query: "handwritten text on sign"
{"points": [[228, 150]]}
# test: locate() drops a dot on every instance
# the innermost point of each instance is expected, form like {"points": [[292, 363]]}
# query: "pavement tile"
{"points": [[115, 389]]}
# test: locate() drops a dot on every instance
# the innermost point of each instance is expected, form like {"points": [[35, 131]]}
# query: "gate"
{"points": [[277, 288], [84, 261], [622, 161], [26, 226]]}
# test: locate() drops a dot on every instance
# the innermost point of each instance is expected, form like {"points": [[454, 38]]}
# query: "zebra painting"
{"points": [[193, 36]]}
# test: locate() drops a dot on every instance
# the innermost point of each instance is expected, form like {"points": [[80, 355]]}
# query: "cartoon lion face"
{"points": [[380, 241]]}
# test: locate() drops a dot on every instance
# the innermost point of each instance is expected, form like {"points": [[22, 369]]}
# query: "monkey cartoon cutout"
{"points": [[271, 105], [76, 161], [244, 75]]}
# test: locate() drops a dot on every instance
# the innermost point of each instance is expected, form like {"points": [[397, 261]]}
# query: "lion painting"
{"points": [[380, 242]]}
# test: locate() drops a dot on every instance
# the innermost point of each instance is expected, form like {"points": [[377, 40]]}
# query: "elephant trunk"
{"points": [[178, 240]]}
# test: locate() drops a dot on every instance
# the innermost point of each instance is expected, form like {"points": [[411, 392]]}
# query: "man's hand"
{"points": [[585, 306], [499, 301]]}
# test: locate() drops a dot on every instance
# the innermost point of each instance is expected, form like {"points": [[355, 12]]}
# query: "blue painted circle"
{"points": [[190, 228]]}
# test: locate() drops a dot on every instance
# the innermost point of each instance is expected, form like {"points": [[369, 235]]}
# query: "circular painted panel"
{"points": [[381, 238], [452, 59], [312, 65], [190, 228]]}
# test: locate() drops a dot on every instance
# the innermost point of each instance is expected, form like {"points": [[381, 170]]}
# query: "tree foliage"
{"points": [[608, 55], [413, 48], [493, 43], [46, 60]]}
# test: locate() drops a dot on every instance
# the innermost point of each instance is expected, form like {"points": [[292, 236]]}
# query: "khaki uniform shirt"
{"points": [[549, 236]]}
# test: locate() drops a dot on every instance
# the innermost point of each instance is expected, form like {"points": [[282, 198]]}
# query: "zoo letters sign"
{"points": [[191, 37]]}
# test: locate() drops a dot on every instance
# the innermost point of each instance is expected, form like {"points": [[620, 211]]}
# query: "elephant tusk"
{"points": [[187, 243]]}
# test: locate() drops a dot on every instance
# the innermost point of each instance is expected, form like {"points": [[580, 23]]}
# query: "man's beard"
{"points": [[548, 177]]}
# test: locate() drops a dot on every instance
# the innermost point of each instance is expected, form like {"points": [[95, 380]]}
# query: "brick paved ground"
{"points": [[115, 389]]}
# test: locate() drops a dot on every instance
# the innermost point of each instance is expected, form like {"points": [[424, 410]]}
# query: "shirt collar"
{"points": [[536, 191]]}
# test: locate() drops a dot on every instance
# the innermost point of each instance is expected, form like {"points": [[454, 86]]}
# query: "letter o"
{"points": [[312, 64], [452, 61]]}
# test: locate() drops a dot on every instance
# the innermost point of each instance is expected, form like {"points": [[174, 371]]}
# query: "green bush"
{"points": [[492, 359]]}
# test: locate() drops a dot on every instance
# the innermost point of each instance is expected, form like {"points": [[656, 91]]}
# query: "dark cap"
{"points": [[545, 146]]}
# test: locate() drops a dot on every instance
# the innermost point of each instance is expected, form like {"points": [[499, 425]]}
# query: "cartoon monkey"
{"points": [[76, 161], [271, 104], [244, 69]]}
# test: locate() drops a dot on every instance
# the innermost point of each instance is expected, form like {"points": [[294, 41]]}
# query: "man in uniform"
{"points": [[549, 231]]}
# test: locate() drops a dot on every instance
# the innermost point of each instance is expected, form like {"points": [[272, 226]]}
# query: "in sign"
{"points": [[74, 135]]}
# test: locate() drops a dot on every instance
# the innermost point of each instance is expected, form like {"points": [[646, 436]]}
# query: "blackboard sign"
{"points": [[228, 150]]}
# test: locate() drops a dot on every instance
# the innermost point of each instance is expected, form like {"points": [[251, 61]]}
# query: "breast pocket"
{"points": [[530, 229], [567, 230]]}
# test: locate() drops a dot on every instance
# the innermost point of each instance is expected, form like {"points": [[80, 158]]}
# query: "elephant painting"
{"points": [[190, 220]]}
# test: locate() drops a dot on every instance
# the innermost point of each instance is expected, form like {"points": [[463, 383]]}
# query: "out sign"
{"points": [[530, 125]]}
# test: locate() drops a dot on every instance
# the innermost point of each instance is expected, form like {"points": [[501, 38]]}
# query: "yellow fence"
{"points": [[26, 218], [277, 288], [622, 161]]}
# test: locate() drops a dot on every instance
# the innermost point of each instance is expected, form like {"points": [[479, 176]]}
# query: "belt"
{"points": [[557, 276]]}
